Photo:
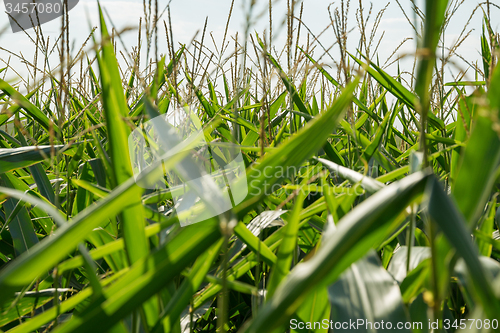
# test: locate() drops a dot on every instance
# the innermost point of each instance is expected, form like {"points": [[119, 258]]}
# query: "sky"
{"points": [[188, 18]]}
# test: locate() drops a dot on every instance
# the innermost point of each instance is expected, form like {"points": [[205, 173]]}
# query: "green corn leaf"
{"points": [[465, 83], [30, 302], [356, 233], [23, 157], [314, 309], [115, 109], [472, 188], [189, 286], [487, 227], [486, 54], [255, 244], [25, 104], [454, 226], [20, 226], [366, 291], [288, 246]]}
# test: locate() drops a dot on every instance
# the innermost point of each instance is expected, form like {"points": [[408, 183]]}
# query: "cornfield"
{"points": [[365, 198]]}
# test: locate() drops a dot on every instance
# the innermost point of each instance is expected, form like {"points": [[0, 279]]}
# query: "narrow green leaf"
{"points": [[472, 188], [15, 158], [452, 223], [20, 226], [288, 246], [367, 292], [188, 287], [25, 104], [115, 110]]}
